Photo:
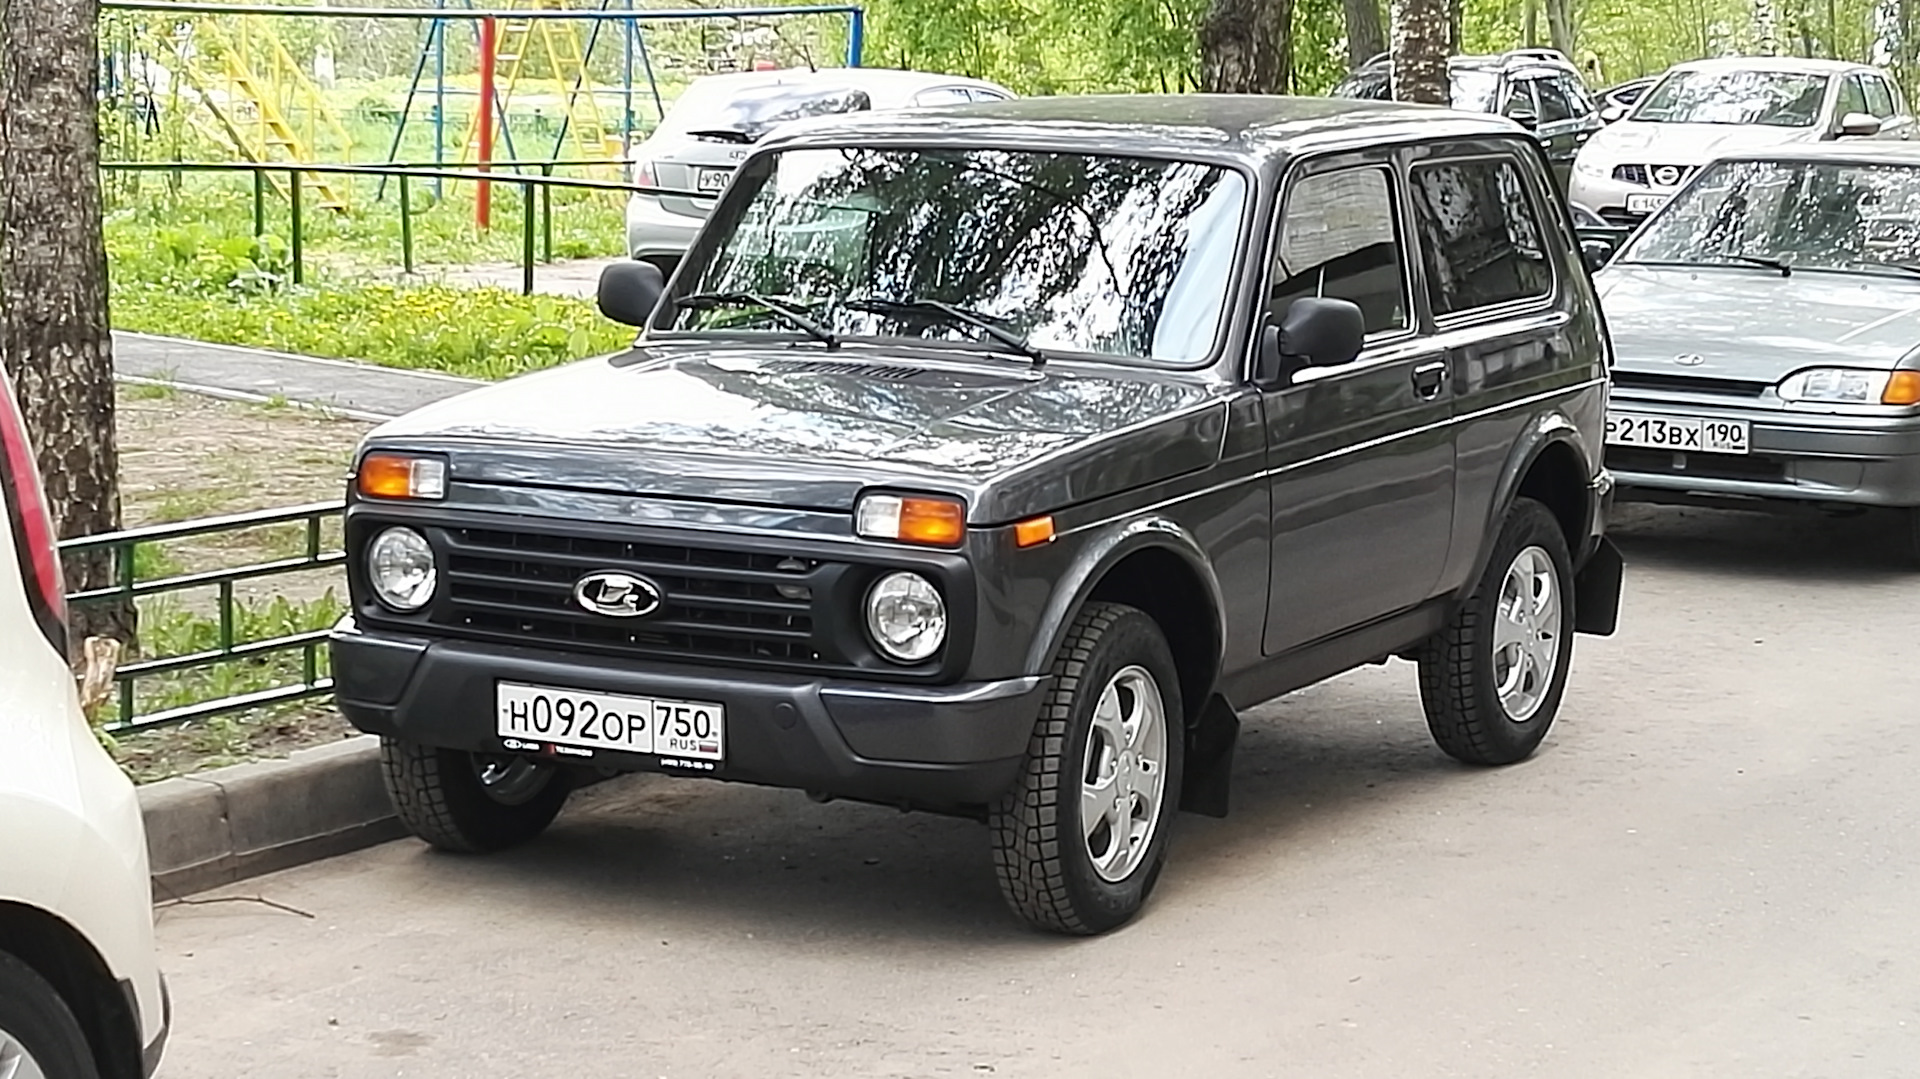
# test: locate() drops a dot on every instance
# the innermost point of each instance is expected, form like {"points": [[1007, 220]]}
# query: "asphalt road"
{"points": [[1708, 870]]}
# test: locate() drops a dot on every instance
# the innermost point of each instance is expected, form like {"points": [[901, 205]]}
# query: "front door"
{"points": [[1360, 456]]}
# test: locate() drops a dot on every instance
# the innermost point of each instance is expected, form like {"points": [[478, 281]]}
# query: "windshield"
{"points": [[1118, 256], [1474, 90], [1827, 216], [1767, 98]]}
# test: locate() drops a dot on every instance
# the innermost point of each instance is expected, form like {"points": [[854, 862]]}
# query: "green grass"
{"points": [[170, 628]]}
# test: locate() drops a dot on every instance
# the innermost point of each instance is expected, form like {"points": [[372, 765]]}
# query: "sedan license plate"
{"points": [[1645, 204], [576, 719], [713, 180], [1685, 434]]}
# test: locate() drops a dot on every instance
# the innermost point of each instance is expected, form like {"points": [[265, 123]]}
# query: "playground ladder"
{"points": [[268, 136], [560, 43]]}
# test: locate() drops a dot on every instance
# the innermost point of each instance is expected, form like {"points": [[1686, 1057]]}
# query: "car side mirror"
{"points": [[1595, 253], [1857, 125], [1316, 332], [1612, 113], [630, 290], [1522, 113]]}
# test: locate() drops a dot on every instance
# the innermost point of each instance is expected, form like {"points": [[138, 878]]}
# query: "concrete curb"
{"points": [[229, 824]]}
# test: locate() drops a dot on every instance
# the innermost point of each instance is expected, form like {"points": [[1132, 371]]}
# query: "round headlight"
{"points": [[906, 617], [400, 568]]}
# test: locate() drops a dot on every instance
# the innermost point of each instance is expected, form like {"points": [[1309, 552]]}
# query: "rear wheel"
{"points": [[472, 803], [39, 1036], [1079, 840], [1491, 682]]}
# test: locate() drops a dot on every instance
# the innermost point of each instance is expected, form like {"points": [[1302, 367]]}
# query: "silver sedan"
{"points": [[1766, 324]]}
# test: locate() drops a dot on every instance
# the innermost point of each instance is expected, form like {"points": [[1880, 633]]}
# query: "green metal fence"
{"points": [[536, 197], [310, 679]]}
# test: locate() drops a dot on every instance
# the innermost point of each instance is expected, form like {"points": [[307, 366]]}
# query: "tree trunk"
{"points": [[1366, 36], [53, 279], [1530, 24], [1246, 47], [1421, 32], [1561, 30]]}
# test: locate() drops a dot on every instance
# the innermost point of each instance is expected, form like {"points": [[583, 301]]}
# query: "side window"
{"points": [[987, 95], [1555, 106], [1480, 234], [942, 95], [1338, 240], [1879, 98], [1853, 97], [1519, 92], [1576, 95]]}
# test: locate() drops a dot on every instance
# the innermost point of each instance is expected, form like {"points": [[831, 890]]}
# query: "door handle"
{"points": [[1428, 378]]}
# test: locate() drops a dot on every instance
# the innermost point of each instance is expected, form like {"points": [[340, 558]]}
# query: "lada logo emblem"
{"points": [[1688, 359], [618, 595], [1666, 175]]}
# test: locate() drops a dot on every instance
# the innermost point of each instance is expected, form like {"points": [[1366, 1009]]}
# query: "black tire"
{"points": [[1910, 535], [1041, 854], [1460, 677], [36, 1022], [440, 796]]}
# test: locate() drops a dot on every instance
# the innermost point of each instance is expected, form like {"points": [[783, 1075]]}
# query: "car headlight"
{"points": [[400, 569], [1590, 164], [1852, 386], [927, 520], [906, 617]]}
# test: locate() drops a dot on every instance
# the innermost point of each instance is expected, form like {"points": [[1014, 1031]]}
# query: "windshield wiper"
{"points": [[1014, 341], [1760, 260], [698, 301]]}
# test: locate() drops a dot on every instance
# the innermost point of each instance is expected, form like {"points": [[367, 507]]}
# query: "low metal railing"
{"points": [[317, 553]]}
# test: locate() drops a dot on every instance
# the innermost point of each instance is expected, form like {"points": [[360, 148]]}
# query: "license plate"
{"points": [[1685, 434], [1645, 204], [541, 716], [712, 179]]}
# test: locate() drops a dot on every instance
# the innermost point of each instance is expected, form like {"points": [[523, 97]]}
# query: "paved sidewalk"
{"points": [[359, 390]]}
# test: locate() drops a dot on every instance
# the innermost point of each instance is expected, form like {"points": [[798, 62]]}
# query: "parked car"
{"points": [[1768, 328], [1537, 88], [80, 994], [1701, 110], [718, 118], [1616, 101], [990, 461]]}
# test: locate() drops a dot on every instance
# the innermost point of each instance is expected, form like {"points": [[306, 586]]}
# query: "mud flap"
{"points": [[1596, 591], [1209, 767]]}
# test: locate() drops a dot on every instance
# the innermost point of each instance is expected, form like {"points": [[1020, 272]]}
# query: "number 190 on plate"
{"points": [[689, 730]]}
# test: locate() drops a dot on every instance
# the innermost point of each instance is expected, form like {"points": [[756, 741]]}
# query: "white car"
{"points": [[1701, 110], [707, 132], [81, 996]]}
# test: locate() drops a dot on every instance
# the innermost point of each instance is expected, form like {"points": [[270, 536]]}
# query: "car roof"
{"points": [[860, 78], [1845, 151], [1809, 65], [1245, 127]]}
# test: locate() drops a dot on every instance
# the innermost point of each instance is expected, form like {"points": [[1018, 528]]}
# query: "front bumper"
{"points": [[937, 747], [1610, 198], [1802, 457]]}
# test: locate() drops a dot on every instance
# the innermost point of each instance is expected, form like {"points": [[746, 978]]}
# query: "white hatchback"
{"points": [[81, 996]]}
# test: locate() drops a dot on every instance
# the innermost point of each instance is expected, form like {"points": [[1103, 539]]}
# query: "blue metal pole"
{"points": [[856, 36], [646, 60], [626, 127], [439, 97], [406, 110]]}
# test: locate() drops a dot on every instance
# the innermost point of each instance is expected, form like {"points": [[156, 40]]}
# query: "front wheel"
{"points": [[39, 1036], [472, 803], [1079, 840], [1491, 682]]}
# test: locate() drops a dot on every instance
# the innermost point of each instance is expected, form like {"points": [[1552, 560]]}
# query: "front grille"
{"points": [[1713, 466], [719, 604], [1631, 174], [1731, 387]]}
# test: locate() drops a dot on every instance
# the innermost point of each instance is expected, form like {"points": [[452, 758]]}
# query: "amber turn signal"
{"points": [[1033, 532], [393, 475], [1902, 389], [928, 521]]}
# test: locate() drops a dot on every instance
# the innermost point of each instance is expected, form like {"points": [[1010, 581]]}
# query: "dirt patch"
{"points": [[186, 457]]}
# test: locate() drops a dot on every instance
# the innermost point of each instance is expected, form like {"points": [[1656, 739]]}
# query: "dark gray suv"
{"points": [[991, 461]]}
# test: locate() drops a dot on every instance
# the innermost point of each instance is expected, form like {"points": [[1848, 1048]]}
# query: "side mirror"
{"points": [[1857, 125], [1595, 253], [1613, 112], [1316, 332], [1522, 113], [630, 290]]}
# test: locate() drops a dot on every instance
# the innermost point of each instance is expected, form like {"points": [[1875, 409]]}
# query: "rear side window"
{"points": [[1554, 104], [1480, 235], [1879, 97], [1339, 241], [1853, 97]]}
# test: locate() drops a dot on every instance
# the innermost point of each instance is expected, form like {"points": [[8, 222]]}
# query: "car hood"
{"points": [[810, 429], [1634, 142], [1754, 325]]}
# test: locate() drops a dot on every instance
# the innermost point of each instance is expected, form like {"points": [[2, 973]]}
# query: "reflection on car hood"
{"points": [[1752, 324], [1632, 142], [807, 428]]}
